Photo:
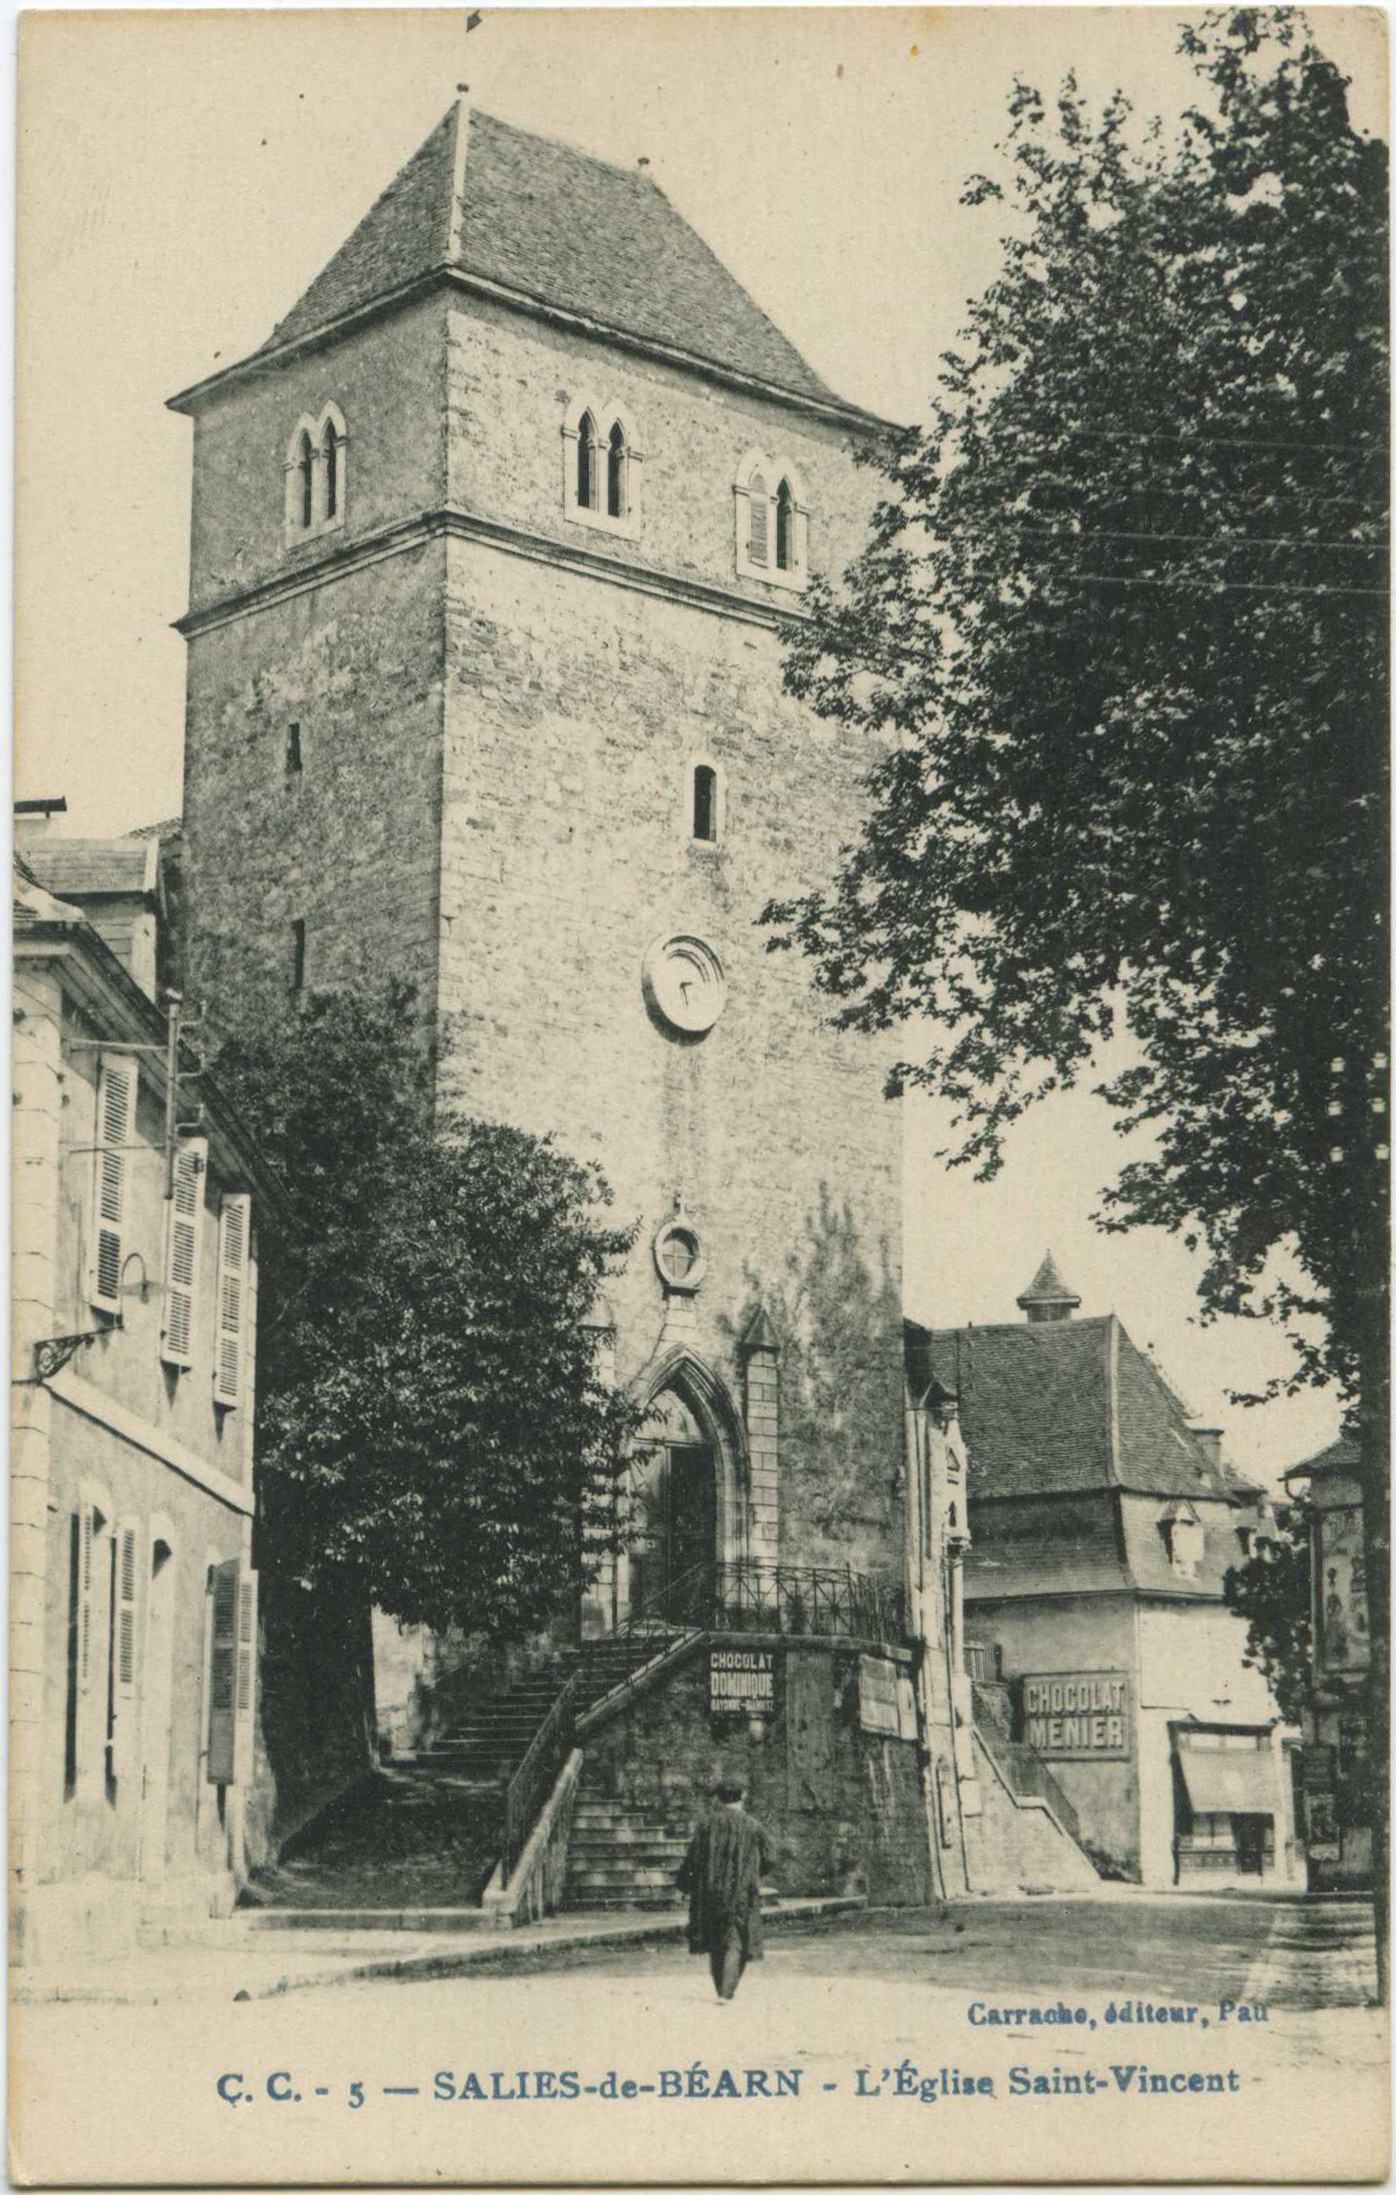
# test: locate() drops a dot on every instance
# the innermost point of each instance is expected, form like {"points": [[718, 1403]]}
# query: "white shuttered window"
{"points": [[234, 1233], [116, 1114], [184, 1227]]}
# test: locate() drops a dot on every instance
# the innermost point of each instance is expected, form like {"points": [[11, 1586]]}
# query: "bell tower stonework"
{"points": [[491, 543]]}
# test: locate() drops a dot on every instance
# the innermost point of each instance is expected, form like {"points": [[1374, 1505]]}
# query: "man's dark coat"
{"points": [[722, 1875]]}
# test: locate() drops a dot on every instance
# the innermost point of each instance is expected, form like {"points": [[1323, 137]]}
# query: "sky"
{"points": [[184, 175]]}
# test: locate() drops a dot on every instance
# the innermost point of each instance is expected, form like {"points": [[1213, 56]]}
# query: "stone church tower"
{"points": [[491, 542]]}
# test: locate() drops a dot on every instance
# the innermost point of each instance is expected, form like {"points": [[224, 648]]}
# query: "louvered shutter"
{"points": [[86, 1524], [223, 1674], [245, 1705], [758, 522], [125, 1751], [182, 1238], [234, 1229], [116, 1112]]}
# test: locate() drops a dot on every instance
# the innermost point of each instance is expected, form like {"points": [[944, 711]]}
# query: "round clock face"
{"points": [[685, 982]]}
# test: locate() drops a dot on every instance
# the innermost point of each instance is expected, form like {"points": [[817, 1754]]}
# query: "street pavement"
{"points": [[858, 2050]]}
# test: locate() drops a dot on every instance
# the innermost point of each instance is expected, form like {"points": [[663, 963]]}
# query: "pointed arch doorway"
{"points": [[673, 1510]]}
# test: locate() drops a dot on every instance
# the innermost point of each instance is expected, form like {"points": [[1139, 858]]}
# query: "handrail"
{"points": [[801, 1600], [1024, 1770]]}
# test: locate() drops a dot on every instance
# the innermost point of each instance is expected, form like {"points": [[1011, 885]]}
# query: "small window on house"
{"points": [[298, 955], [305, 472], [705, 802], [758, 521], [330, 448], [615, 472], [785, 528], [293, 750], [586, 463]]}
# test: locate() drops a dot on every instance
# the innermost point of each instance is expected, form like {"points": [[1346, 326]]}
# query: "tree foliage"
{"points": [[1120, 630], [1270, 1592], [432, 1424]]}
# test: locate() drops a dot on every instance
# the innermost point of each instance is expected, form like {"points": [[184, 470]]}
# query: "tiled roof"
{"points": [[1047, 1286], [87, 868], [1149, 1558], [1056, 1547], [31, 905], [1342, 1458], [560, 228], [1051, 1408]]}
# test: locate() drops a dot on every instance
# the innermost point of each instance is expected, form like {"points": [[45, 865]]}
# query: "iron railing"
{"points": [[533, 1779], [801, 1600]]}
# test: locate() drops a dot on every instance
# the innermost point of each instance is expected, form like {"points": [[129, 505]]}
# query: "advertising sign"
{"points": [[1342, 1594], [1078, 1715], [742, 1680], [878, 1706]]}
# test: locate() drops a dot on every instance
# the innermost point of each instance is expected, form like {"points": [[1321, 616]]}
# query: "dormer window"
{"points": [[772, 522], [601, 464], [315, 475], [1185, 1538]]}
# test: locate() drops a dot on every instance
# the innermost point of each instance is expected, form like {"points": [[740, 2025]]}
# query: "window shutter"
{"points": [[758, 522], [125, 1749], [223, 1674], [234, 1229], [116, 1109], [86, 1528], [246, 1702], [182, 1239]]}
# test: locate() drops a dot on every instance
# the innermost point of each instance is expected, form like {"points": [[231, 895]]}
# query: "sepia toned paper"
{"points": [[183, 177]]}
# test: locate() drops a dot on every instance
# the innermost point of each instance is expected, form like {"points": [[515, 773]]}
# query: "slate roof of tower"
{"points": [[560, 228], [1042, 1411]]}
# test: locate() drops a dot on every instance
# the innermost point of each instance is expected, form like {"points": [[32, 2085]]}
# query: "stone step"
{"points": [[621, 1879], [596, 1852], [426, 1920]]}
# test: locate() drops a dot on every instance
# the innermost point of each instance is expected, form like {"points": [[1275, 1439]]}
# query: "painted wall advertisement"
{"points": [[1342, 1595], [1078, 1715], [742, 1680]]}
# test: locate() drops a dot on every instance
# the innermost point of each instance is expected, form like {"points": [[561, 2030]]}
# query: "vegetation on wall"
{"points": [[434, 1426]]}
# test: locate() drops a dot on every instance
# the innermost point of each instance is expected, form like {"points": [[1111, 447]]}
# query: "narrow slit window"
{"points": [[586, 463], [785, 528], [298, 954], [615, 472], [305, 465], [294, 762], [705, 802], [331, 449]]}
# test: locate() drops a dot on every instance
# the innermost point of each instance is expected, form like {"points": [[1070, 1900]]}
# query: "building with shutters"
{"points": [[491, 542], [1105, 1521], [133, 1598]]}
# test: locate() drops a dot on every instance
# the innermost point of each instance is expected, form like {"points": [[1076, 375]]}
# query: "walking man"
{"points": [[722, 1875]]}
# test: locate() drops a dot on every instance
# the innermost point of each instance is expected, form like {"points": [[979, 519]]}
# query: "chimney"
{"points": [[1209, 1440], [34, 818], [1047, 1299]]}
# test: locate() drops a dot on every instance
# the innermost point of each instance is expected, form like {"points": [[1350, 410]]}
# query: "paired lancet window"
{"points": [[315, 474], [771, 521], [601, 465]]}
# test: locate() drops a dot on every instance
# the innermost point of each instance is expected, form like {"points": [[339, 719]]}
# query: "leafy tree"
{"points": [[1270, 1593], [1120, 629], [433, 1428]]}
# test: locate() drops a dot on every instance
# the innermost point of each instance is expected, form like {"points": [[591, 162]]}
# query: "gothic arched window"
{"points": [[330, 452], [615, 472], [305, 482], [586, 463], [785, 528]]}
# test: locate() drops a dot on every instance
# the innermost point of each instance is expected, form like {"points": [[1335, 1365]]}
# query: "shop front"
{"points": [[1228, 1804]]}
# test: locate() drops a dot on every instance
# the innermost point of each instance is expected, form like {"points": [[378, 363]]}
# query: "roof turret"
{"points": [[1047, 1297]]}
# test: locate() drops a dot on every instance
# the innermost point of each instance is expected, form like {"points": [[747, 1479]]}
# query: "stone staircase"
{"points": [[625, 1853], [485, 1743]]}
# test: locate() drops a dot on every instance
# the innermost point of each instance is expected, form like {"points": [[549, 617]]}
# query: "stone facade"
{"points": [[133, 1604], [500, 700]]}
